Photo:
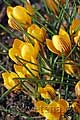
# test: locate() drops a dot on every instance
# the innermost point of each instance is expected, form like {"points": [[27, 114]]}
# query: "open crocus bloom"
{"points": [[37, 32], [18, 14], [52, 111], [47, 92], [9, 81], [24, 50], [59, 43]]}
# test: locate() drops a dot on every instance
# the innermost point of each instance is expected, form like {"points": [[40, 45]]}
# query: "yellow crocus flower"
{"points": [[18, 14], [24, 50], [71, 68], [52, 111], [9, 81], [37, 32], [59, 43], [47, 92]]}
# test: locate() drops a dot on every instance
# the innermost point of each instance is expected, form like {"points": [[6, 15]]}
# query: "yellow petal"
{"points": [[51, 47], [33, 68], [40, 107], [74, 25], [77, 39], [19, 70], [9, 81], [27, 51], [62, 44], [9, 11], [12, 24], [64, 33], [37, 32], [51, 4], [77, 89], [18, 43], [63, 106], [70, 67], [76, 107], [29, 8], [50, 116], [54, 109], [47, 92], [13, 52], [20, 14]]}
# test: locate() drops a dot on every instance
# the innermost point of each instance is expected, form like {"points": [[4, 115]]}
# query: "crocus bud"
{"points": [[37, 32], [47, 92], [71, 68], [18, 15]]}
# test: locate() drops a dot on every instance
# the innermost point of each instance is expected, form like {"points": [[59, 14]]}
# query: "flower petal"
{"points": [[51, 47]]}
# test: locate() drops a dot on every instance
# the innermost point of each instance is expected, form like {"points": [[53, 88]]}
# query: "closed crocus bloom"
{"points": [[37, 32], [18, 14], [52, 6], [77, 89], [9, 81], [47, 92], [71, 68], [24, 50], [59, 43], [74, 27]]}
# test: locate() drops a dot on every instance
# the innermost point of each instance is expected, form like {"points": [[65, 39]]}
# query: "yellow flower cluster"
{"points": [[55, 109], [26, 50], [62, 45]]}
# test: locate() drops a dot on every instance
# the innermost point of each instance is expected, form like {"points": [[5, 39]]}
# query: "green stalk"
{"points": [[4, 46], [8, 92], [3, 68], [62, 78]]}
